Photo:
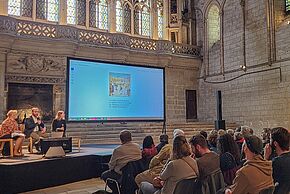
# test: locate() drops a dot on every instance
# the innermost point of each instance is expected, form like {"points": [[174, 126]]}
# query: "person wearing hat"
{"points": [[256, 173]]}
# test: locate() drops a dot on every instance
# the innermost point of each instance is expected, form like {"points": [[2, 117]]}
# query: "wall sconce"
{"points": [[243, 67]]}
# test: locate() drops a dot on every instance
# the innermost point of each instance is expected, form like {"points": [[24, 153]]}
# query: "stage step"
{"points": [[108, 133]]}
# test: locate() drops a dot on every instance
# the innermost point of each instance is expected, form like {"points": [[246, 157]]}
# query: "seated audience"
{"points": [[221, 132], [163, 141], [35, 128], [149, 150], [59, 123], [207, 161], [123, 154], [246, 131], [9, 129], [266, 136], [212, 140], [156, 165], [181, 167], [256, 173], [229, 157], [203, 133], [279, 142]]}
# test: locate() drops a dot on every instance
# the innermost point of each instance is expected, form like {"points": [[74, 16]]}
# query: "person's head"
{"points": [[180, 147], [221, 132], [198, 145], [178, 132], [12, 114], [228, 144], [203, 133], [252, 146], [148, 142], [280, 139], [125, 136], [212, 137], [231, 132], [266, 135], [60, 115], [163, 138], [35, 112], [246, 131], [238, 136]]}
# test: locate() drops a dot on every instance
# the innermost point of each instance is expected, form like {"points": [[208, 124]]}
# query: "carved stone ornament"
{"points": [[36, 64], [29, 79]]}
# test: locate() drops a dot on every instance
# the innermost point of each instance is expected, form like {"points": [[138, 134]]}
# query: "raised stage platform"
{"points": [[33, 171]]}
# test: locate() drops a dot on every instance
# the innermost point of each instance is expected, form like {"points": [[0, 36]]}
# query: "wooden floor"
{"points": [[81, 187]]}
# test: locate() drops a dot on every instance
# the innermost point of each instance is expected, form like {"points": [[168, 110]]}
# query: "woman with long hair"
{"points": [[182, 166], [10, 129], [230, 157], [59, 123], [149, 150]]}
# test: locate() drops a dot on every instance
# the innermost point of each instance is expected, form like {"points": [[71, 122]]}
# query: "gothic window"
{"points": [[127, 18], [287, 6], [119, 16], [213, 25], [76, 12], [47, 10], [98, 15], [142, 18], [160, 18], [20, 8]]}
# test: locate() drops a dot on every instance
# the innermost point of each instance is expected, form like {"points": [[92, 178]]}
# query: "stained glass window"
{"points": [[288, 6], [81, 12], [103, 14], [142, 18], [160, 18], [137, 21], [119, 16], [145, 23], [47, 10], [71, 11], [213, 25], [20, 8], [93, 10]]}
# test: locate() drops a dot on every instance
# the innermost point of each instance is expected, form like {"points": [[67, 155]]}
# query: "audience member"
{"points": [[203, 133], [246, 131], [178, 132], [181, 167], [207, 160], [9, 129], [229, 157], [163, 141], [59, 123], [35, 128], [231, 132], [279, 141], [123, 154], [149, 150], [212, 140], [156, 165], [221, 132], [266, 136], [256, 173], [239, 139]]}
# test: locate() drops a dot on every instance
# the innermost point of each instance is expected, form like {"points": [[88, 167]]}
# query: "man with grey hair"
{"points": [[126, 152]]}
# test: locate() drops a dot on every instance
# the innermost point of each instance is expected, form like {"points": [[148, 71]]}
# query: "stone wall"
{"points": [[258, 97]]}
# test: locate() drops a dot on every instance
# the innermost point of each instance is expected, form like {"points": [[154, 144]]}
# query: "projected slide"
{"points": [[101, 91]]}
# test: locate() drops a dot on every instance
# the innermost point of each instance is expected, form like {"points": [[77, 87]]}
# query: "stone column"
{"points": [[166, 14], [34, 10], [4, 7], [2, 85], [63, 12], [87, 14], [154, 15], [112, 16]]}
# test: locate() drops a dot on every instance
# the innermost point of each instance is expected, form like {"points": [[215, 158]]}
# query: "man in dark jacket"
{"points": [[35, 128]]}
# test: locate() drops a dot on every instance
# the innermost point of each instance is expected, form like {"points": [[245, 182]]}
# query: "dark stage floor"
{"points": [[33, 172]]}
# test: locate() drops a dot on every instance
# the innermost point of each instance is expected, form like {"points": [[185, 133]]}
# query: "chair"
{"points": [[10, 143], [212, 183], [269, 190], [30, 145], [186, 186]]}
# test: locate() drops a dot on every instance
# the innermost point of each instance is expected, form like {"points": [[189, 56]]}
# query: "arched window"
{"points": [[99, 14], [127, 18], [142, 18], [287, 6], [119, 16], [20, 8], [213, 25], [47, 10], [76, 12], [160, 18]]}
